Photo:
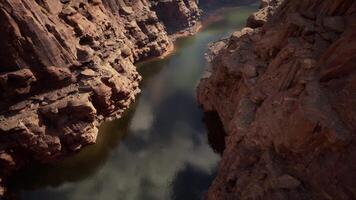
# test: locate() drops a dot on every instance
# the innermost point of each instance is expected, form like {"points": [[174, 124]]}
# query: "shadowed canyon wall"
{"points": [[285, 91]]}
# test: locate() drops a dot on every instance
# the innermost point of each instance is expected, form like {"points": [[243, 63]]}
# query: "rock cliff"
{"points": [[285, 91], [67, 65]]}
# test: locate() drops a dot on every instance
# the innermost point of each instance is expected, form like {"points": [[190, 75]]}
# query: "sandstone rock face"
{"points": [[285, 93], [67, 65], [177, 15]]}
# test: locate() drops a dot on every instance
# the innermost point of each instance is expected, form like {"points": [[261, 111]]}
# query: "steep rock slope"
{"points": [[285, 92], [66, 65]]}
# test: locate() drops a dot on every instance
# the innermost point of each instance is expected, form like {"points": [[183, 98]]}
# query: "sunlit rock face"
{"points": [[67, 65], [285, 93]]}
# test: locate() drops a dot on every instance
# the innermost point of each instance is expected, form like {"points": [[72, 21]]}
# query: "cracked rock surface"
{"points": [[285, 91]]}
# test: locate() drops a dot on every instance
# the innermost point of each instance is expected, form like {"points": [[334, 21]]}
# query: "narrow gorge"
{"points": [[100, 99]]}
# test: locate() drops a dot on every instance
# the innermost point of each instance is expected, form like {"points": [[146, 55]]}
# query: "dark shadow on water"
{"points": [[79, 166], [92, 157], [193, 189]]}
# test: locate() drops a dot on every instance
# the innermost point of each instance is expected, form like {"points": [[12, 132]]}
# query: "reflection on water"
{"points": [[159, 149]]}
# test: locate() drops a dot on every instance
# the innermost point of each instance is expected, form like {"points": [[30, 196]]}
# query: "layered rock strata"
{"points": [[177, 15], [67, 65], [285, 91]]}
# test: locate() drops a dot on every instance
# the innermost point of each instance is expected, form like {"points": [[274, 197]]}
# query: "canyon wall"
{"points": [[177, 15], [68, 65], [285, 91]]}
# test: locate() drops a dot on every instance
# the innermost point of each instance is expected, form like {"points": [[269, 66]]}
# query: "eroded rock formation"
{"points": [[67, 65], [285, 91], [177, 15]]}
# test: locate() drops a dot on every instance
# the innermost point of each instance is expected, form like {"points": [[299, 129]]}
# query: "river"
{"points": [[159, 149]]}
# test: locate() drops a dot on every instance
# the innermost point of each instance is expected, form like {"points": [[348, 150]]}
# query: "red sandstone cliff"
{"points": [[67, 65], [285, 92]]}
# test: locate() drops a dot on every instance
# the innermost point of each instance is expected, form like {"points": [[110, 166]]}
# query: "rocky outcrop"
{"points": [[67, 65], [177, 15], [285, 93], [267, 9]]}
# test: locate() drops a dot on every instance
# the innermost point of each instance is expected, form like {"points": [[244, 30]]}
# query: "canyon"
{"points": [[68, 65], [284, 90]]}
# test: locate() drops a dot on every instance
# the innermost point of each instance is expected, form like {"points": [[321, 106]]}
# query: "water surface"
{"points": [[159, 149]]}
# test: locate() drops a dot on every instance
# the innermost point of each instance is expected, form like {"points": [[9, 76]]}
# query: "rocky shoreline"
{"points": [[284, 90]]}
